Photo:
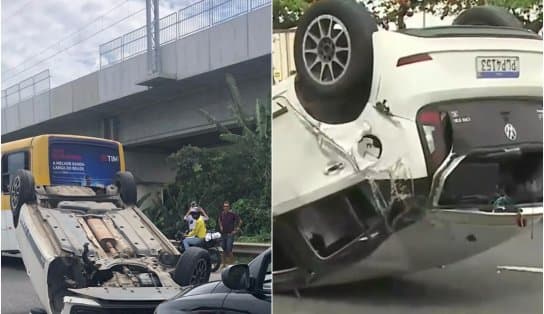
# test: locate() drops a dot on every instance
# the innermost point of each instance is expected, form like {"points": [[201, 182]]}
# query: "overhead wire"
{"points": [[19, 9], [9, 71], [116, 6]]}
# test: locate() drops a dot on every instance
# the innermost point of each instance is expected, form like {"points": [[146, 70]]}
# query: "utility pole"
{"points": [[155, 73], [153, 37]]}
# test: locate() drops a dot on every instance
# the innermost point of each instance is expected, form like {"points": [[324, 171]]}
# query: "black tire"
{"points": [[193, 267], [488, 16], [127, 187], [168, 259], [327, 92], [57, 299], [21, 191], [215, 259], [181, 248], [57, 303]]}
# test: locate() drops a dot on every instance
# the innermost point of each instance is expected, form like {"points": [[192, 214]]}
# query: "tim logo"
{"points": [[109, 158]]}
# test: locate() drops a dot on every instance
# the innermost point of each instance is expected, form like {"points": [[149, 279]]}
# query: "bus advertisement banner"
{"points": [[82, 162]]}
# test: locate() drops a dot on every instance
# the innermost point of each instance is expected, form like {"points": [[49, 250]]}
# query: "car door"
{"points": [[256, 301]]}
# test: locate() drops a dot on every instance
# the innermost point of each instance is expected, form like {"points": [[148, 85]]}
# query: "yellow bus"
{"points": [[56, 159]]}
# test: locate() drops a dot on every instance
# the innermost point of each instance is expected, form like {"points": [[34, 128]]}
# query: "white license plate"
{"points": [[497, 67]]}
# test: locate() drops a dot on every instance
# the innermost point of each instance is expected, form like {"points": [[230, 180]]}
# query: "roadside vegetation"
{"points": [[529, 12], [238, 172]]}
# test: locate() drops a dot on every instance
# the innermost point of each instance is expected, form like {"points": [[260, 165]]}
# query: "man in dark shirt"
{"points": [[229, 225]]}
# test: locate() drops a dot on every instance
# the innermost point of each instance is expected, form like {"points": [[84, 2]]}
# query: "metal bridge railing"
{"points": [[189, 20], [26, 89], [132, 43]]}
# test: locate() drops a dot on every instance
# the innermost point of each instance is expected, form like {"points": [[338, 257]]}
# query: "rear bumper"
{"points": [[81, 305], [110, 300]]}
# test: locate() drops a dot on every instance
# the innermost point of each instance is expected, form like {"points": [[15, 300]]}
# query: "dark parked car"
{"points": [[242, 289]]}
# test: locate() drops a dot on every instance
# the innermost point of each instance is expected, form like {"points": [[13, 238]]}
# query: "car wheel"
{"points": [[193, 267], [127, 187], [489, 16], [334, 59], [168, 259], [215, 259], [21, 191], [57, 299]]}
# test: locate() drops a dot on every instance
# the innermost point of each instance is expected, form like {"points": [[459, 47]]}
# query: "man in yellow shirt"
{"points": [[197, 235]]}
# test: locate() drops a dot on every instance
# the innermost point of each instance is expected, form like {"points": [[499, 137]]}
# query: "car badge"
{"points": [[510, 132]]}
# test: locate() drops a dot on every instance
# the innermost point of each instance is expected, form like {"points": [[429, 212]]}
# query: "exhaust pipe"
{"points": [[103, 235]]}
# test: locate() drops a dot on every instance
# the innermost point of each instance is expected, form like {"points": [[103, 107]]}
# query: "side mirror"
{"points": [[236, 277]]}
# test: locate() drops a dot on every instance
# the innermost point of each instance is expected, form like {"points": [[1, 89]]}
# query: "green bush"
{"points": [[256, 220], [238, 172]]}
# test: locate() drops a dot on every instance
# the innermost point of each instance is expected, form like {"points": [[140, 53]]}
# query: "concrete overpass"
{"points": [[153, 122]]}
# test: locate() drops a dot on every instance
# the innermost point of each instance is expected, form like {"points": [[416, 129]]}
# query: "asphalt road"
{"points": [[471, 286], [18, 296]]}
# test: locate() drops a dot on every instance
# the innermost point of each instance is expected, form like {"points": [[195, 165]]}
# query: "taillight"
{"points": [[433, 125], [413, 59]]}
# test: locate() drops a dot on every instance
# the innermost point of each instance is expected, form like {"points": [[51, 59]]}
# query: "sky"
{"points": [[35, 29], [63, 32]]}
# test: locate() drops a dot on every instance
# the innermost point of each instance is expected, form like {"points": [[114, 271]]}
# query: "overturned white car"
{"points": [[394, 152], [91, 250]]}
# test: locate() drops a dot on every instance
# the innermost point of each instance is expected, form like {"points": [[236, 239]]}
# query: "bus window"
{"points": [[10, 163]]}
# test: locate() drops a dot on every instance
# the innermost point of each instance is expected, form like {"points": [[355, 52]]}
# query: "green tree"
{"points": [[396, 11], [286, 13], [529, 12], [238, 172]]}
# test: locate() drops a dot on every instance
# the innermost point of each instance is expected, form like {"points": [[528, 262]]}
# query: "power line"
{"points": [[60, 40], [16, 11], [76, 43], [8, 71]]}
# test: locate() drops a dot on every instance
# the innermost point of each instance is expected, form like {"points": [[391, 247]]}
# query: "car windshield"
{"points": [[82, 162]]}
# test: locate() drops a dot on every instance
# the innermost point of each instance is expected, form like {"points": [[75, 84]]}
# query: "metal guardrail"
{"points": [[249, 248], [26, 89], [241, 248], [196, 17]]}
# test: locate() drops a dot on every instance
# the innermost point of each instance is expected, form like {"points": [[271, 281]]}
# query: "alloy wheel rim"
{"points": [[15, 192], [326, 49], [199, 274]]}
